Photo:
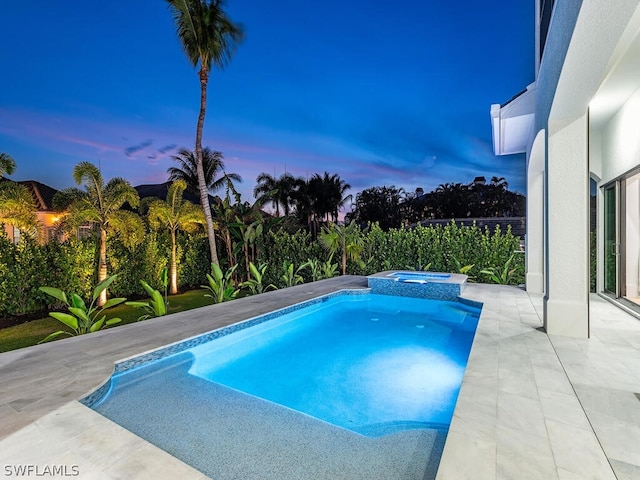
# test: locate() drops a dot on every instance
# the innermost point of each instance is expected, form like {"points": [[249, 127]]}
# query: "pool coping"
{"points": [[518, 415]]}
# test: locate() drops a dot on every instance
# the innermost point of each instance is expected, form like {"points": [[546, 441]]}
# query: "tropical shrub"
{"points": [[71, 266], [255, 283], [220, 285], [155, 307], [81, 318], [290, 275]]}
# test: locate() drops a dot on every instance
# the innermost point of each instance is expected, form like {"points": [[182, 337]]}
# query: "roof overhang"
{"points": [[512, 122]]}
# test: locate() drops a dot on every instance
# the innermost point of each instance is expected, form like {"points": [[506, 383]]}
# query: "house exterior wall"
{"points": [[579, 54], [47, 222], [534, 251], [563, 21], [586, 121], [619, 148]]}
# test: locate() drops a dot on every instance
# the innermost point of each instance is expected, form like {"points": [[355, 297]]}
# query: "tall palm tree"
{"points": [[213, 165], [18, 208], [327, 195], [287, 186], [337, 188], [100, 204], [208, 38], [281, 191], [7, 164], [175, 214]]}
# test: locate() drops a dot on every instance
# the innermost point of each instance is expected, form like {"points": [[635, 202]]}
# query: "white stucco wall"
{"points": [[594, 38], [620, 147], [535, 215], [567, 234]]}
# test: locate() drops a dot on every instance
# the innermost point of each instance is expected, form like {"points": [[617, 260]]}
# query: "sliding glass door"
{"points": [[611, 241]]}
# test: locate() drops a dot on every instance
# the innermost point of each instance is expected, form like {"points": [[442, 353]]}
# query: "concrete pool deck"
{"points": [[531, 405]]}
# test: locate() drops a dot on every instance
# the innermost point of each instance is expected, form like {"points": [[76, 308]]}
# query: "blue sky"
{"points": [[382, 93]]}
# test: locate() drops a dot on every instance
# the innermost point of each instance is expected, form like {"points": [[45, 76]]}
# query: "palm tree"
{"points": [[175, 214], [208, 38], [100, 204], [346, 239], [281, 191], [337, 188], [267, 186], [452, 200], [497, 190], [287, 187], [18, 208], [7, 164], [241, 220], [212, 163], [327, 195]]}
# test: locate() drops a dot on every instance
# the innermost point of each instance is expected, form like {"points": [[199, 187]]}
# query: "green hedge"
{"points": [[27, 266], [442, 249], [71, 266]]}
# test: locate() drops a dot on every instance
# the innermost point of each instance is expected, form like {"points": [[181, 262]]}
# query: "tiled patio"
{"points": [[531, 406]]}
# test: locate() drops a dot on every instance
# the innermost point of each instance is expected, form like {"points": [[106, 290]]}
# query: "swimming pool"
{"points": [[370, 364]]}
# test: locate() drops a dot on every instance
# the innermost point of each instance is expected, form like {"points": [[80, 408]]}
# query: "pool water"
{"points": [[419, 277], [372, 364]]}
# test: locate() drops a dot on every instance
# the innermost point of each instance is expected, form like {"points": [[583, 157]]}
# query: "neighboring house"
{"points": [[480, 181], [43, 197], [578, 124]]}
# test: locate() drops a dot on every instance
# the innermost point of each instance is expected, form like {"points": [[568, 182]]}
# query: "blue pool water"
{"points": [[370, 364], [419, 276], [367, 363]]}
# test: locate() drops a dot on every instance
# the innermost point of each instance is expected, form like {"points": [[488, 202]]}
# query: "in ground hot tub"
{"points": [[432, 285]]}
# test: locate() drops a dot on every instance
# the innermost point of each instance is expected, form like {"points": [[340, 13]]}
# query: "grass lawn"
{"points": [[30, 333]]}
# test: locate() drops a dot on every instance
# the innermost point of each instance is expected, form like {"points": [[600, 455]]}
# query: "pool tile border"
{"points": [[131, 363], [95, 396], [447, 289]]}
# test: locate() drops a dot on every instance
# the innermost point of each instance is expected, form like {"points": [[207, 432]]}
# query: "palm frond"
{"points": [[7, 164], [128, 226], [17, 208]]}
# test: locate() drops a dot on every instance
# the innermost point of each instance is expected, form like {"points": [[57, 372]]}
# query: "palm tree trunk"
{"points": [[173, 289], [102, 264], [246, 260], [229, 248], [344, 257], [204, 192]]}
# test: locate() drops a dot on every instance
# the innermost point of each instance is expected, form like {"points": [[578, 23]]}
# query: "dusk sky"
{"points": [[381, 93]]}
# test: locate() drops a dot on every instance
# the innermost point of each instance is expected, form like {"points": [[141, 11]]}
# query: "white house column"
{"points": [[567, 231], [534, 250]]}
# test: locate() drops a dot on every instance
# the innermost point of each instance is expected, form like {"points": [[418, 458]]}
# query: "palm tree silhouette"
{"points": [[213, 165], [208, 38]]}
